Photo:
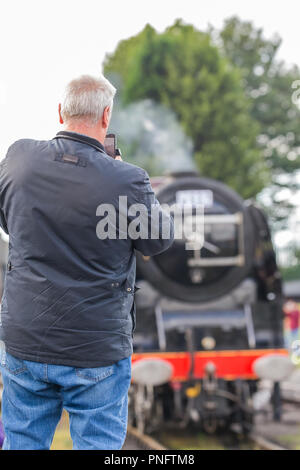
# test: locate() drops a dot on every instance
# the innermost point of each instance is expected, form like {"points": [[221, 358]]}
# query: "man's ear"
{"points": [[60, 116], [105, 117]]}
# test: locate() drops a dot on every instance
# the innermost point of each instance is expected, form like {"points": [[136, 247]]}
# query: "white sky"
{"points": [[45, 43]]}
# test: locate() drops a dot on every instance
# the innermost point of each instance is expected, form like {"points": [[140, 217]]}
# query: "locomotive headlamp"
{"points": [[151, 371], [208, 342]]}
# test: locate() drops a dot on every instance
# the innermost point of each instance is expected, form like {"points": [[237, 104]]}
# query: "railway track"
{"points": [[136, 440], [264, 443]]}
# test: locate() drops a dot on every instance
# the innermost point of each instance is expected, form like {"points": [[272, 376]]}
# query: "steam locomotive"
{"points": [[209, 313]]}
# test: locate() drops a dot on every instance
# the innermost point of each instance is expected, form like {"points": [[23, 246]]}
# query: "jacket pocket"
{"points": [[128, 304]]}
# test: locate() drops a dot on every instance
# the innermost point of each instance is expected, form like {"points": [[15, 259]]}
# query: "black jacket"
{"points": [[68, 295]]}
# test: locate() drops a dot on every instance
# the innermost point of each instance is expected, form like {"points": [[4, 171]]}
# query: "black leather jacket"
{"points": [[68, 295]]}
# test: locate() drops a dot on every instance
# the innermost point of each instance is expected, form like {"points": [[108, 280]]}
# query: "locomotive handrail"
{"points": [[236, 218], [239, 259], [250, 326], [222, 261]]}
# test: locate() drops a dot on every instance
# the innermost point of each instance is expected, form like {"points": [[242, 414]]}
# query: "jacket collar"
{"points": [[84, 139]]}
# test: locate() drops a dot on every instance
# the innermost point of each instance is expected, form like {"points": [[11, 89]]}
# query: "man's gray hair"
{"points": [[86, 98]]}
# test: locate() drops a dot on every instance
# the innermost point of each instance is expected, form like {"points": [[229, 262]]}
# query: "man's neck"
{"points": [[92, 132]]}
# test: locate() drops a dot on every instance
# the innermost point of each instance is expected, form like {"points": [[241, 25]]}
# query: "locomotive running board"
{"points": [[170, 320]]}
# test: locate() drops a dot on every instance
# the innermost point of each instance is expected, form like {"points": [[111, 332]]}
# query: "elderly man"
{"points": [[67, 313]]}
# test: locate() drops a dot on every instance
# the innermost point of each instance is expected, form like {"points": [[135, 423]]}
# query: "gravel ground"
{"points": [[286, 432]]}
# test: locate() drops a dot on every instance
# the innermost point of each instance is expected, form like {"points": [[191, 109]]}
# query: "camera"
{"points": [[110, 146]]}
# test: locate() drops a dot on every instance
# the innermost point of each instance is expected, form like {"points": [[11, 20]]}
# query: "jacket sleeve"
{"points": [[156, 231]]}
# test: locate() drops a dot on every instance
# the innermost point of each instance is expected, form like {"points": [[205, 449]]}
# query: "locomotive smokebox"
{"points": [[210, 256]]}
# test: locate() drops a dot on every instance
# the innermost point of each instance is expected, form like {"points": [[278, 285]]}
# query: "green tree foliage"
{"points": [[181, 69], [268, 83]]}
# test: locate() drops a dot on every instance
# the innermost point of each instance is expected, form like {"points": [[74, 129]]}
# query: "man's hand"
{"points": [[118, 155]]}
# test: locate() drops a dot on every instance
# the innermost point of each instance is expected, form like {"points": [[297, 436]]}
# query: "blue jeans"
{"points": [[34, 395]]}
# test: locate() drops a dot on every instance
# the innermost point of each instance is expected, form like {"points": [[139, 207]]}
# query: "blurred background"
{"points": [[212, 87]]}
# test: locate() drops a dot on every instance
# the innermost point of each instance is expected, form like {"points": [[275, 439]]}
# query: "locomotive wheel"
{"points": [[161, 270]]}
